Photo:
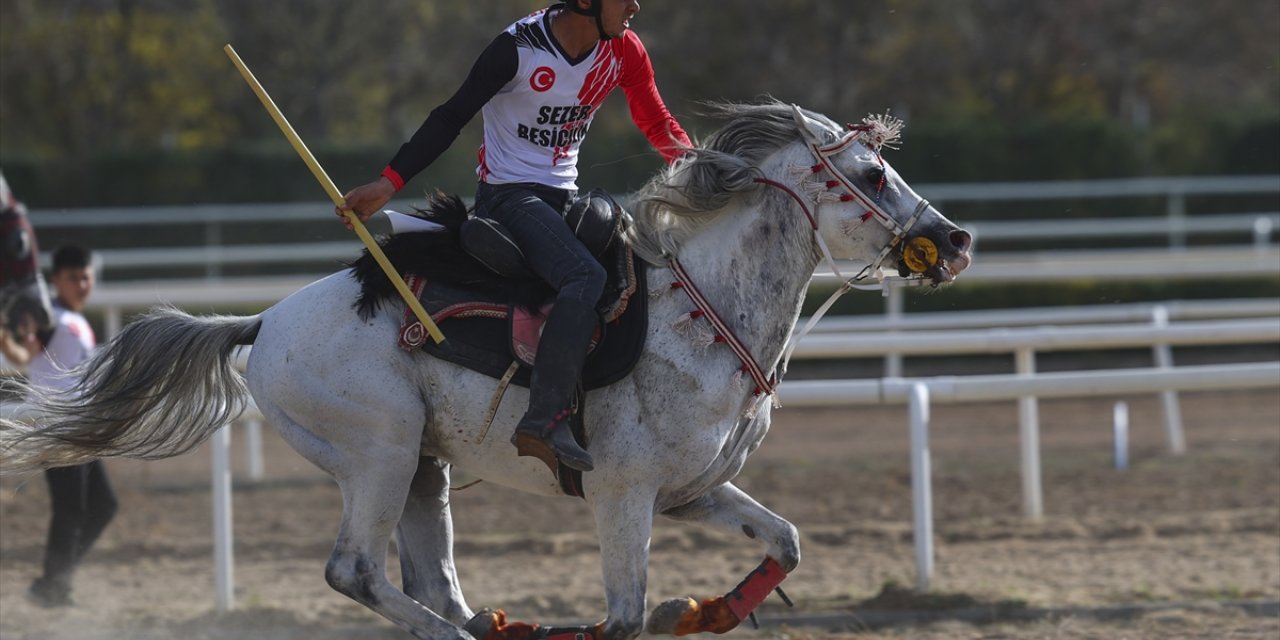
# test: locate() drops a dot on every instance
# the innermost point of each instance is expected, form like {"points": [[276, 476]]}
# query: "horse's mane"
{"points": [[697, 188]]}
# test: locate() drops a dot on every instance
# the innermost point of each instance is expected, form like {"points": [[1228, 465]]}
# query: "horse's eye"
{"points": [[875, 175]]}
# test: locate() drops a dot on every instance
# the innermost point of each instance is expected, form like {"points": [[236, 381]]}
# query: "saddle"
{"points": [[487, 332], [494, 329]]}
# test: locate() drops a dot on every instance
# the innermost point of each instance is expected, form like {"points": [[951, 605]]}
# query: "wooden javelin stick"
{"points": [[335, 195]]}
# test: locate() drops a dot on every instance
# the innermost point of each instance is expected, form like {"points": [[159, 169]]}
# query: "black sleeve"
{"points": [[492, 70]]}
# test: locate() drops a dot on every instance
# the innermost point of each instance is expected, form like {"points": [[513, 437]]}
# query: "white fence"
{"points": [[920, 393], [115, 298], [215, 255]]}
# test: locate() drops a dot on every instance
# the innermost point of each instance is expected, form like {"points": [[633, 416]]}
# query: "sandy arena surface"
{"points": [[1184, 537]]}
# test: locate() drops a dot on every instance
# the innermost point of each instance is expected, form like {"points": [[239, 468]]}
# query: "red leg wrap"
{"points": [[503, 630], [755, 588], [722, 614]]}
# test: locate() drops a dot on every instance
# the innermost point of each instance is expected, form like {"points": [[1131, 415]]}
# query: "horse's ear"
{"points": [[813, 131]]}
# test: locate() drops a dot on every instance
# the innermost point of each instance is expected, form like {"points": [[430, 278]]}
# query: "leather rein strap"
{"points": [[764, 384]]}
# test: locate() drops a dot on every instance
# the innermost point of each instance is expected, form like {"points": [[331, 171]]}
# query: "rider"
{"points": [[538, 85]]}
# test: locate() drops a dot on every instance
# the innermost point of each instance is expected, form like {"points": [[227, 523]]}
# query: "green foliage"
{"points": [[133, 102]]}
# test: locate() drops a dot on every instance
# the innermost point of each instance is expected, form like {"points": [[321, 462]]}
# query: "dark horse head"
{"points": [[24, 299]]}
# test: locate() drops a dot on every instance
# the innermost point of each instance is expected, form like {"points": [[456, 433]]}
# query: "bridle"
{"points": [[875, 133]]}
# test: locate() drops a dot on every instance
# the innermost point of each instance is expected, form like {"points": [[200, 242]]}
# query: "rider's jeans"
{"points": [[534, 216]]}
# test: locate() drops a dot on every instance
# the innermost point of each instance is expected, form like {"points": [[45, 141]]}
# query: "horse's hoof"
{"points": [[482, 623], [667, 615]]}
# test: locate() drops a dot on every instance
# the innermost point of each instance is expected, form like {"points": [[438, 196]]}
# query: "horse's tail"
{"points": [[158, 389]]}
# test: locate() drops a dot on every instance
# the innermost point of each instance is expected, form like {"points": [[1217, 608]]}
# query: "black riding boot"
{"points": [[544, 430]]}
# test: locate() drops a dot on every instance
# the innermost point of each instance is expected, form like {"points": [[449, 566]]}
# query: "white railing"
{"points": [[1117, 313], [115, 297], [1010, 340], [920, 393], [213, 255], [1113, 264]]}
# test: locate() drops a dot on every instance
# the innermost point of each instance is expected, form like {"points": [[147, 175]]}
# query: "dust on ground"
{"points": [[1200, 530]]}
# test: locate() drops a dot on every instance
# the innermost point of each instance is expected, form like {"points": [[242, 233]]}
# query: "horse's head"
{"points": [[866, 211]]}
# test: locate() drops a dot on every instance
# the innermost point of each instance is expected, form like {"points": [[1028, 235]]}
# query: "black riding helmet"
{"points": [[594, 10]]}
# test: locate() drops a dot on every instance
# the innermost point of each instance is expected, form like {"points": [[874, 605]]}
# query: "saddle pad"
{"points": [[526, 333], [479, 333]]}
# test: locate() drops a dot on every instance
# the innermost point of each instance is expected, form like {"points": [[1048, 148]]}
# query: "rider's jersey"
{"points": [[537, 105]]}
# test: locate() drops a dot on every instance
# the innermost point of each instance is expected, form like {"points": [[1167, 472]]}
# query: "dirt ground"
{"points": [[1180, 539]]}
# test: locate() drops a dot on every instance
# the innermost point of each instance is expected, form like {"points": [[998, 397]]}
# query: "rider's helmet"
{"points": [[594, 10]]}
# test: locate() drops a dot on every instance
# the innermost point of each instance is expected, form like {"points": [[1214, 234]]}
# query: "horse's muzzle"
{"points": [[940, 259]]}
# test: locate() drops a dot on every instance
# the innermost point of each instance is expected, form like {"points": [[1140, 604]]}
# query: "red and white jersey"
{"points": [[72, 343], [538, 104]]}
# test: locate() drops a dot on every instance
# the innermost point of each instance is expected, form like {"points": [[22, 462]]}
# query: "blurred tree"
{"points": [[86, 77], [82, 77]]}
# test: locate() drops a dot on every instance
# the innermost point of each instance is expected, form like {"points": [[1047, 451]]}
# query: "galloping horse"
{"points": [[735, 230]]}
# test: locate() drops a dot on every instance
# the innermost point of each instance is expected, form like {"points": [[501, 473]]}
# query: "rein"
{"points": [[724, 334]]}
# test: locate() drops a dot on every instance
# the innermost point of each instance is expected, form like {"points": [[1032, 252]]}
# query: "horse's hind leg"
{"points": [[425, 543], [373, 499], [728, 508], [374, 467]]}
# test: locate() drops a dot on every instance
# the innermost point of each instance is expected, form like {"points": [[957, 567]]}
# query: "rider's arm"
{"points": [[495, 67], [647, 109]]}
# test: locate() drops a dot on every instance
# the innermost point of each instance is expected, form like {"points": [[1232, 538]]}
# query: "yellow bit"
{"points": [[920, 254]]}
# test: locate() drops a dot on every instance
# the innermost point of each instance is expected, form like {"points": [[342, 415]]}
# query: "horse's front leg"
{"points": [[624, 522], [728, 508]]}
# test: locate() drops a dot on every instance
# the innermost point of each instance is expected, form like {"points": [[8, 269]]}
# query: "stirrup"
{"points": [[539, 442]]}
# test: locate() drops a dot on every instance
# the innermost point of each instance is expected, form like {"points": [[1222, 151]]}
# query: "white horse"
{"points": [[744, 221]]}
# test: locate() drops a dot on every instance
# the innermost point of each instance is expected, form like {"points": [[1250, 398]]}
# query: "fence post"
{"points": [[223, 570], [253, 448], [1120, 431], [1177, 210], [1163, 353], [113, 320], [1029, 431], [893, 312], [212, 240], [921, 485], [1261, 233]]}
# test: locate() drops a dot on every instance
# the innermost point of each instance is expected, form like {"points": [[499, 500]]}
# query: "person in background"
{"points": [[81, 498], [538, 86]]}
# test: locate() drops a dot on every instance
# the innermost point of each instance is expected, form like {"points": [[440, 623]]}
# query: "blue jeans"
{"points": [[534, 216]]}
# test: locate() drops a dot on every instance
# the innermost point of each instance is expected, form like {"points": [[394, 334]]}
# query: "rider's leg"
{"points": [[533, 215]]}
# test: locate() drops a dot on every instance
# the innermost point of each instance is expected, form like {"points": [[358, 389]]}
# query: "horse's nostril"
{"points": [[961, 240]]}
